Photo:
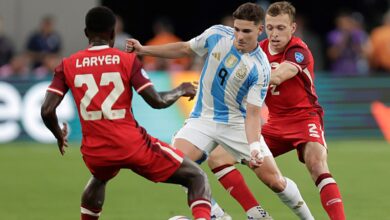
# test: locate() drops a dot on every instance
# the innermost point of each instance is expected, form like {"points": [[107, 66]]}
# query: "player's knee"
{"points": [[193, 174], [219, 158], [212, 161], [200, 175], [93, 195], [314, 152], [316, 158], [275, 182]]}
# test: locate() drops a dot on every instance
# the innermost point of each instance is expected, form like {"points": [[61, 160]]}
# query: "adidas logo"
{"points": [[299, 205], [217, 56]]}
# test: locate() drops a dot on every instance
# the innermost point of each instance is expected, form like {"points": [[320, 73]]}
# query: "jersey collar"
{"points": [[100, 47], [271, 51], [255, 50]]}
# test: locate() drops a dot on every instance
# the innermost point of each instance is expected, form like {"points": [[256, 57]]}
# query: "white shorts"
{"points": [[207, 135]]}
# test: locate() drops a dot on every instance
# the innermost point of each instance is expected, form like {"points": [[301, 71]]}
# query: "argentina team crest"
{"points": [[231, 61], [299, 57], [241, 72]]}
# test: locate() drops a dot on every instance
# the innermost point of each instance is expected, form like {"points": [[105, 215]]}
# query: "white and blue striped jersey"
{"points": [[229, 78]]}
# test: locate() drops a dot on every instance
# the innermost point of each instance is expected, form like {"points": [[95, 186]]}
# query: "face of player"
{"points": [[246, 34], [279, 31]]}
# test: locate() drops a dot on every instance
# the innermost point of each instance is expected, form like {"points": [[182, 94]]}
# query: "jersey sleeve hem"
{"points": [[144, 86], [258, 104], [58, 92], [294, 64]]}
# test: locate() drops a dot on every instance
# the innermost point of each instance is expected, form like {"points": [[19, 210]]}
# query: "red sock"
{"points": [[330, 197], [90, 214], [201, 208], [235, 184]]}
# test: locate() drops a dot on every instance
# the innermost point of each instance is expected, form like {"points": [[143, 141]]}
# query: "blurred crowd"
{"points": [[350, 49]]}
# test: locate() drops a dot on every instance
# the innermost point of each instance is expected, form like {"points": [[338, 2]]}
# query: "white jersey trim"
{"points": [[55, 91], [171, 152], [144, 86], [294, 64], [88, 212], [101, 47]]}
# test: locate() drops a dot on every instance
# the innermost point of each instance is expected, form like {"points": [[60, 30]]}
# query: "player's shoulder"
{"points": [[221, 29], [297, 42], [263, 42]]}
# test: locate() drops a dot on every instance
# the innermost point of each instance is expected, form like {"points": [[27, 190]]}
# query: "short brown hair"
{"points": [[249, 12], [283, 7]]}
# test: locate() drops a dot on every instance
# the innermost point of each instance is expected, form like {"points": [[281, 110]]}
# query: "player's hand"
{"points": [[133, 45], [189, 89], [257, 158], [63, 141]]}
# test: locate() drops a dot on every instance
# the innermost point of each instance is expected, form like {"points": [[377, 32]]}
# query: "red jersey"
{"points": [[101, 80], [295, 96]]}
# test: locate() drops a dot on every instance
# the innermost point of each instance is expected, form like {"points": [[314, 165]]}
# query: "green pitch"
{"points": [[36, 183]]}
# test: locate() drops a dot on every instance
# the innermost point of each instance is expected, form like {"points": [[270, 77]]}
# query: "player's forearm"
{"points": [[253, 123], [170, 97], [172, 50], [48, 113], [284, 72], [51, 121]]}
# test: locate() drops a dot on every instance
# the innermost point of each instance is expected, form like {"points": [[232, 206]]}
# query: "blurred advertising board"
{"points": [[354, 108]]}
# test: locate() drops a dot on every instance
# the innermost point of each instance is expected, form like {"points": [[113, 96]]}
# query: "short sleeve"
{"points": [[58, 84], [139, 78], [298, 57], [200, 45]]}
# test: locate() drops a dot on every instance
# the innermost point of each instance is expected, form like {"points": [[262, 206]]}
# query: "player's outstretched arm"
{"points": [[282, 73], [160, 100], [252, 130], [49, 117], [171, 50]]}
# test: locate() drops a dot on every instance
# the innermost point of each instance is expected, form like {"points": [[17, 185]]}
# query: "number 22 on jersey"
{"points": [[92, 89]]}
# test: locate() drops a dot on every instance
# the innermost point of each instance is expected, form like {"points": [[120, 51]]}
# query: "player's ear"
{"points": [[294, 27], [261, 29]]}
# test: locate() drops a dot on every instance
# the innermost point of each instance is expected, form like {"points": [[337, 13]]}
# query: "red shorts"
{"points": [[156, 161], [284, 135]]}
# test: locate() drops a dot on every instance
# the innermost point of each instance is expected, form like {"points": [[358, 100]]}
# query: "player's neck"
{"points": [[247, 50], [98, 42], [274, 51]]}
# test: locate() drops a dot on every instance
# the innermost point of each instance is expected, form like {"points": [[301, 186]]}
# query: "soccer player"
{"points": [[293, 104], [101, 79], [233, 85], [295, 116]]}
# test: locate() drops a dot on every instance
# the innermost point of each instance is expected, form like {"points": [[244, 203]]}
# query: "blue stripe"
{"points": [[221, 111], [241, 94], [211, 41], [266, 74], [198, 106], [265, 67]]}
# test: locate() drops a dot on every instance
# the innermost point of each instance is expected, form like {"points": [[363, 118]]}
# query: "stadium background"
{"points": [[35, 182]]}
